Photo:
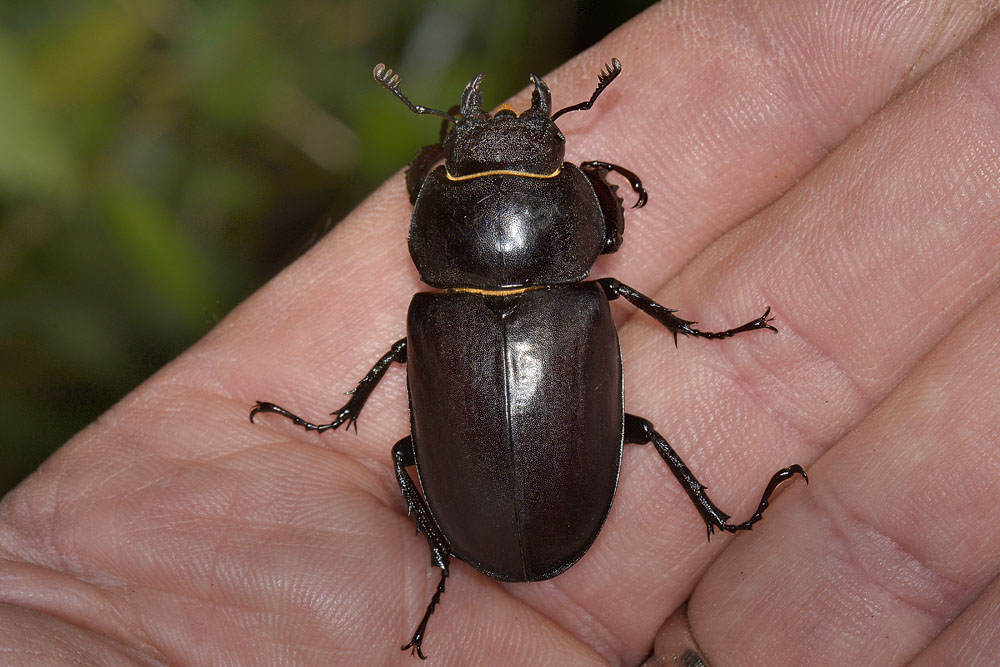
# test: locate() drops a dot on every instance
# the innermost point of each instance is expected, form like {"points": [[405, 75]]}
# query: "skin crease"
{"points": [[841, 165]]}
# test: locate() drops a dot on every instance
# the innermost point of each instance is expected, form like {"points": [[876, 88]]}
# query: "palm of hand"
{"points": [[173, 530]]}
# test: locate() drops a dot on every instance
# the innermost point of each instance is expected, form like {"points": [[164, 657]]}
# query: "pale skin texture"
{"points": [[841, 166]]}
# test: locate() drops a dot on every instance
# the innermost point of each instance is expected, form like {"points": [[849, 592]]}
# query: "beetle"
{"points": [[513, 364]]}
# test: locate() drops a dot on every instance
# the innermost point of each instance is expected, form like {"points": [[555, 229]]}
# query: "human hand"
{"points": [[839, 166]]}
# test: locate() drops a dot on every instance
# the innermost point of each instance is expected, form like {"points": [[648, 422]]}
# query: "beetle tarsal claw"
{"points": [[347, 414]]}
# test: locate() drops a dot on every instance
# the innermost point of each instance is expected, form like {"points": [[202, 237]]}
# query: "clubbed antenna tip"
{"points": [[390, 82]]}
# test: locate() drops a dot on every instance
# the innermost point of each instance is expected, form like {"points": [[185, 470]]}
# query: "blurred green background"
{"points": [[161, 159]]}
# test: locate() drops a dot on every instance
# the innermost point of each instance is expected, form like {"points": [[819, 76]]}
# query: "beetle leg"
{"points": [[666, 317], [402, 454], [611, 208], [359, 395], [641, 431], [599, 167], [611, 204]]}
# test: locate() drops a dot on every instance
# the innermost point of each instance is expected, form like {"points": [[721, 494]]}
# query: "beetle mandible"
{"points": [[513, 366]]}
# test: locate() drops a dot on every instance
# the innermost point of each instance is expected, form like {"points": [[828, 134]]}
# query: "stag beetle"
{"points": [[513, 366]]}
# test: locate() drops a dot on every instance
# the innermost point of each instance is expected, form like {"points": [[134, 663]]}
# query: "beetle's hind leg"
{"points": [[402, 454], [641, 431]]}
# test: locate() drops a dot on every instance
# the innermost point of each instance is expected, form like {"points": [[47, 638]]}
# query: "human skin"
{"points": [[839, 162]]}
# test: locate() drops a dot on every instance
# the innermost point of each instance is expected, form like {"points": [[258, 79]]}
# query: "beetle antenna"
{"points": [[604, 80], [390, 82]]}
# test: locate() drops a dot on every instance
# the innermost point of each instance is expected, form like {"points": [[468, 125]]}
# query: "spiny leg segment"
{"points": [[641, 431]]}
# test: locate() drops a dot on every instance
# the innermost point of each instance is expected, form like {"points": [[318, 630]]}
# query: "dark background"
{"points": [[161, 159]]}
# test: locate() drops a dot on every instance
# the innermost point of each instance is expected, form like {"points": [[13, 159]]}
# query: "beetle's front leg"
{"points": [[359, 395], [666, 317], [402, 454], [600, 167], [609, 201], [641, 431]]}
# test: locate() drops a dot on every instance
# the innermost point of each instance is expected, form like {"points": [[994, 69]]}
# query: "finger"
{"points": [[736, 102], [894, 536], [674, 643], [972, 639], [31, 638], [862, 283]]}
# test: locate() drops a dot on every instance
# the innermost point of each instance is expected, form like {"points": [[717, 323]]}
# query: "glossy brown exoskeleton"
{"points": [[513, 365]]}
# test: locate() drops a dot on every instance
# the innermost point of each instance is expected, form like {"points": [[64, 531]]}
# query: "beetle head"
{"points": [[478, 143], [529, 142]]}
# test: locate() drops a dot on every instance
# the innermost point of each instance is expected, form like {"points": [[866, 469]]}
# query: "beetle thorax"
{"points": [[505, 212]]}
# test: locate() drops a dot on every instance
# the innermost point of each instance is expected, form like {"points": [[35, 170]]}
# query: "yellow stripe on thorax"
{"points": [[513, 291], [501, 172]]}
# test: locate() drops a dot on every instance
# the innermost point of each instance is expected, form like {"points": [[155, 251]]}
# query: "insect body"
{"points": [[513, 365]]}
